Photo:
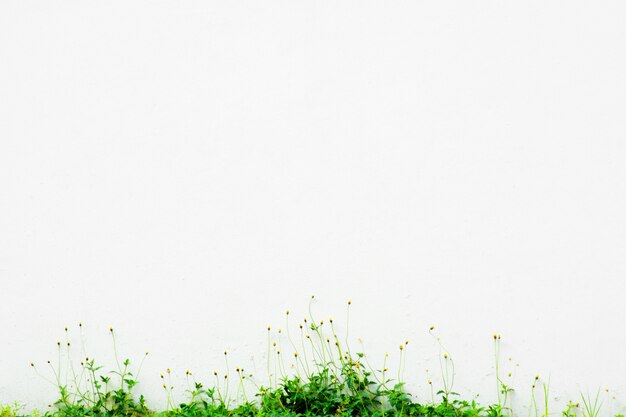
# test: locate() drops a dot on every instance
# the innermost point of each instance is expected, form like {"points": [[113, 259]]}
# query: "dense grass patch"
{"points": [[325, 377]]}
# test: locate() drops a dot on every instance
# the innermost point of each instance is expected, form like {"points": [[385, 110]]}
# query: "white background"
{"points": [[186, 171]]}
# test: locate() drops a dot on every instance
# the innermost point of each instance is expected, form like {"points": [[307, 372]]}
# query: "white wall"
{"points": [[186, 171]]}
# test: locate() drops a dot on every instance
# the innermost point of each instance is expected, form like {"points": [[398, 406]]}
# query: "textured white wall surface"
{"points": [[186, 171]]}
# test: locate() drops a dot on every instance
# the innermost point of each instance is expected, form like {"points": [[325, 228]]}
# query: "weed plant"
{"points": [[320, 376]]}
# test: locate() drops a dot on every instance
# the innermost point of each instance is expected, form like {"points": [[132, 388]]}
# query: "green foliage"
{"points": [[11, 410], [591, 406], [326, 379]]}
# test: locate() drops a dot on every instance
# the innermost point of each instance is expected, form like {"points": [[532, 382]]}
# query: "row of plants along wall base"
{"points": [[322, 377]]}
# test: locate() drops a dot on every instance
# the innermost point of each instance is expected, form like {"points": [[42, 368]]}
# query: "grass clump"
{"points": [[319, 376]]}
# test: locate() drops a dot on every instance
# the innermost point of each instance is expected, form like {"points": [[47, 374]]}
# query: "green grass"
{"points": [[322, 376]]}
